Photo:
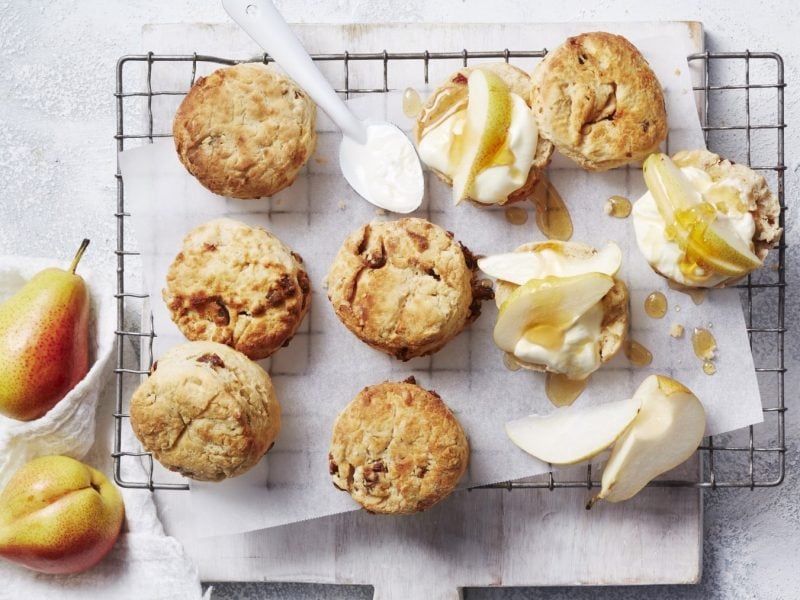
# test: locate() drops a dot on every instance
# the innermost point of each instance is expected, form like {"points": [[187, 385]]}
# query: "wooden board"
{"points": [[478, 538]]}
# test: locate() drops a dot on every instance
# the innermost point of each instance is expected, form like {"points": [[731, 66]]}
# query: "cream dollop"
{"points": [[665, 255], [494, 184]]}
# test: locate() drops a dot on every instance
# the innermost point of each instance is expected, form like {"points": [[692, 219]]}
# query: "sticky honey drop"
{"points": [[709, 368], [637, 354], [516, 215], [552, 215], [561, 390], [412, 103], [655, 305], [704, 344], [618, 207], [510, 363]]}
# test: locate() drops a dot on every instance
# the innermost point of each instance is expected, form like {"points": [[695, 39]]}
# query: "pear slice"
{"points": [[666, 432], [542, 309], [692, 222], [521, 267], [570, 435], [488, 118]]}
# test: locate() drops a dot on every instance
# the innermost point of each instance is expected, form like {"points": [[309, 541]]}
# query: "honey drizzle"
{"points": [[561, 390], [516, 215], [618, 207], [655, 305], [637, 354], [412, 103], [698, 296], [510, 363], [552, 215], [704, 344], [445, 104]]}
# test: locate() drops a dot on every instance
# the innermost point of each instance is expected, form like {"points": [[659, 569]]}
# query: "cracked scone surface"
{"points": [[237, 285], [596, 98], [397, 448], [245, 131], [206, 411], [615, 325], [404, 287], [518, 82]]}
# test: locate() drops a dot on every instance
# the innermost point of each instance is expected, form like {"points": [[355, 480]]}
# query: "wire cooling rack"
{"points": [[750, 130]]}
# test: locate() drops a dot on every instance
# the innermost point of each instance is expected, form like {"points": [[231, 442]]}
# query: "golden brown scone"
{"points": [[616, 309], [245, 131], [397, 448], [237, 285], [596, 98], [206, 411], [519, 82], [404, 287]]}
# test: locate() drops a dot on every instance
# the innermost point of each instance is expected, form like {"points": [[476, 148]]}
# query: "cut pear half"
{"points": [[665, 433], [692, 222], [571, 435], [521, 267], [489, 107]]}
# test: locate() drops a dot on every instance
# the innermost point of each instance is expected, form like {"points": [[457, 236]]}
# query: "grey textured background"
{"points": [[57, 164]]}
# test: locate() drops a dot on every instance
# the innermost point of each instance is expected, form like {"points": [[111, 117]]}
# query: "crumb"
{"points": [[676, 330], [710, 325], [677, 72], [380, 212], [677, 309], [341, 205]]}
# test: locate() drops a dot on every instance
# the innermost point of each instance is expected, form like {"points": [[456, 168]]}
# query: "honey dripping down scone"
{"points": [[477, 133], [599, 102], [562, 308], [237, 285], [405, 287], [245, 131], [206, 411], [397, 448], [704, 222]]}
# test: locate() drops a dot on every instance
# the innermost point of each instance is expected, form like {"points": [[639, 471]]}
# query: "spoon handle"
{"points": [[262, 22]]}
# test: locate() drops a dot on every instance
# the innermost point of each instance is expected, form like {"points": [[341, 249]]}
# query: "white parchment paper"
{"points": [[325, 366]]}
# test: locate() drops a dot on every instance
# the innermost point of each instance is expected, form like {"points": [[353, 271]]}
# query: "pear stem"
{"points": [[592, 502], [78, 256]]}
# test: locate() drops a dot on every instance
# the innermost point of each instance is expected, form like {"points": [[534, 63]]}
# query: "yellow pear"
{"points": [[58, 515], [44, 341]]}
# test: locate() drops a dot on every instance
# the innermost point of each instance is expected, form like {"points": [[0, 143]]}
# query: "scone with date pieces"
{"points": [[206, 411], [237, 285], [245, 131], [405, 287], [397, 448]]}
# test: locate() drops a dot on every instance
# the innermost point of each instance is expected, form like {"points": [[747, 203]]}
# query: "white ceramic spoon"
{"points": [[376, 158]]}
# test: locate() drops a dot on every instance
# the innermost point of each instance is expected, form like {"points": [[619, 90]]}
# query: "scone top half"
{"points": [[245, 131], [508, 162], [404, 287], [562, 307], [397, 448], [705, 221], [206, 411], [598, 101]]}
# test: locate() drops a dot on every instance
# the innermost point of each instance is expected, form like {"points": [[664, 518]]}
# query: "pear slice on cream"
{"points": [[488, 118], [542, 310], [571, 435], [521, 267], [666, 432]]}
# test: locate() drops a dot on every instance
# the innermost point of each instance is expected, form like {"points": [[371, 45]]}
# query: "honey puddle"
{"points": [[510, 363], [704, 344], [696, 294], [552, 215], [561, 390], [655, 305], [516, 215], [637, 354], [412, 103], [618, 206]]}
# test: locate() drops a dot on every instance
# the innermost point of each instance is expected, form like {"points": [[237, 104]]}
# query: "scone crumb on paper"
{"points": [[676, 330], [341, 205]]}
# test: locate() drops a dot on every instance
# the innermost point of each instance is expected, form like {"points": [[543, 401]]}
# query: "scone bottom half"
{"points": [[206, 411], [237, 285], [405, 287], [397, 449]]}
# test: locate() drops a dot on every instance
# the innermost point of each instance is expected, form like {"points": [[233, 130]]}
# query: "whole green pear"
{"points": [[44, 341]]}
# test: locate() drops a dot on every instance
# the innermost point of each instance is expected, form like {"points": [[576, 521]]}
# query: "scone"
{"points": [[404, 287], [513, 169], [237, 285], [397, 448], [562, 308], [206, 411], [245, 131], [725, 231], [596, 98]]}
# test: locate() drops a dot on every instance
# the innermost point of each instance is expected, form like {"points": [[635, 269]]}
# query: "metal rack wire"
{"points": [[750, 458]]}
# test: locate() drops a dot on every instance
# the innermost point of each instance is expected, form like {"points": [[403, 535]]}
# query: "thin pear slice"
{"points": [[571, 435], [489, 109], [692, 223], [521, 267], [665, 433], [546, 307]]}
